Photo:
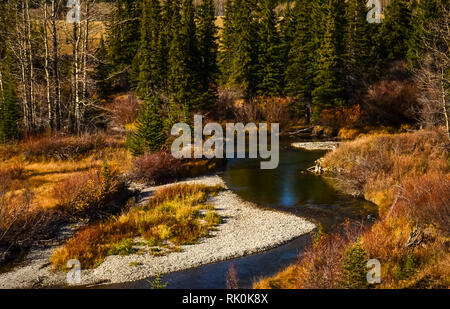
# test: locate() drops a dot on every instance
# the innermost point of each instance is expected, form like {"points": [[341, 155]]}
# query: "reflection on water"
{"points": [[285, 188], [291, 188]]}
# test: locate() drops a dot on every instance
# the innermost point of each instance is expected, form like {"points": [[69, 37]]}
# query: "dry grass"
{"points": [[175, 215], [376, 165], [408, 176]]}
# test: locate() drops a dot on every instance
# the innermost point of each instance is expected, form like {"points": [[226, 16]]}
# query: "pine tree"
{"points": [[123, 41], [395, 30], [9, 108], [300, 71], [270, 66], [328, 91], [207, 47], [151, 67], [149, 135]]}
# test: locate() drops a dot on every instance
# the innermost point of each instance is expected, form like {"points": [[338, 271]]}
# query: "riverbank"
{"points": [[246, 230], [407, 176]]}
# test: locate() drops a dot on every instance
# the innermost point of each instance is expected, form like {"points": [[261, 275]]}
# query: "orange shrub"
{"points": [[339, 117]]}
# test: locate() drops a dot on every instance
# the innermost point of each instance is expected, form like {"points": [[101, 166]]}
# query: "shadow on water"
{"points": [[287, 188]]}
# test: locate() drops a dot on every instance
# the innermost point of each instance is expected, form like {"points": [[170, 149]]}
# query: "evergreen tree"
{"points": [[287, 37], [240, 47], [191, 58], [354, 268], [227, 41], [207, 46], [149, 136], [328, 91], [123, 41], [300, 71], [9, 108], [423, 14], [101, 69], [270, 66], [182, 62], [395, 30], [151, 67], [358, 45]]}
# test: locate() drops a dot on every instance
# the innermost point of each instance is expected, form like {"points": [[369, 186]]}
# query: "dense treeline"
{"points": [[319, 54]]}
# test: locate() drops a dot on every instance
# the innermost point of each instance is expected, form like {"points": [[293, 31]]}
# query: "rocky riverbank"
{"points": [[247, 229]]}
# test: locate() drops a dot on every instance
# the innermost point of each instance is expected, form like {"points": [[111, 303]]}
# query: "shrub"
{"points": [[156, 168], [426, 200], [339, 117], [21, 222], [124, 109], [391, 102], [89, 193], [123, 247]]}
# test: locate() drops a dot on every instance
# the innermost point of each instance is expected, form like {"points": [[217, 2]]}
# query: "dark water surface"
{"points": [[288, 188]]}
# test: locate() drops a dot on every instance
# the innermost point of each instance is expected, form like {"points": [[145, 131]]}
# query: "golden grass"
{"points": [[414, 167], [174, 216]]}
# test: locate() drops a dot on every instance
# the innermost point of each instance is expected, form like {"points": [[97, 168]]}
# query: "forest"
{"points": [[90, 89]]}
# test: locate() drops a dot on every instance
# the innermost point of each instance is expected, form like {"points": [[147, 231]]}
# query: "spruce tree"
{"points": [[287, 37], [240, 47], [191, 58], [9, 108], [270, 66], [227, 44], [149, 135], [123, 41], [423, 14], [395, 30], [358, 44], [328, 92], [207, 47], [151, 67], [102, 69], [300, 71]]}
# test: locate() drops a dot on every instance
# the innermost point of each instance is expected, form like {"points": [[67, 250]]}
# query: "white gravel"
{"points": [[316, 145], [247, 229]]}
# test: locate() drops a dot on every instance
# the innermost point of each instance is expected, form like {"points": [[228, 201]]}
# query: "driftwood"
{"points": [[305, 130], [415, 238]]}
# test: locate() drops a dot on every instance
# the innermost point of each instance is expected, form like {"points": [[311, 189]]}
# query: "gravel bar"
{"points": [[247, 229], [316, 145]]}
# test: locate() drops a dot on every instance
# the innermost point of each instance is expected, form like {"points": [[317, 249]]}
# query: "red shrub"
{"points": [[391, 102], [124, 109], [156, 168]]}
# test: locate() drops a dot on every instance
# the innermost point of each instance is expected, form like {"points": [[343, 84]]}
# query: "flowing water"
{"points": [[287, 188]]}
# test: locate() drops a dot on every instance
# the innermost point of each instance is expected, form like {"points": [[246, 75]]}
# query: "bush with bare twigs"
{"points": [[156, 168], [124, 109], [21, 222]]}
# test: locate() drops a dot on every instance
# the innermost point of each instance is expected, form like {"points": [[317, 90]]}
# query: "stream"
{"points": [[287, 188]]}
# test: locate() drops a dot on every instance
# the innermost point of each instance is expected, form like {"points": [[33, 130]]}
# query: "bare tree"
{"points": [[57, 91], [434, 74]]}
